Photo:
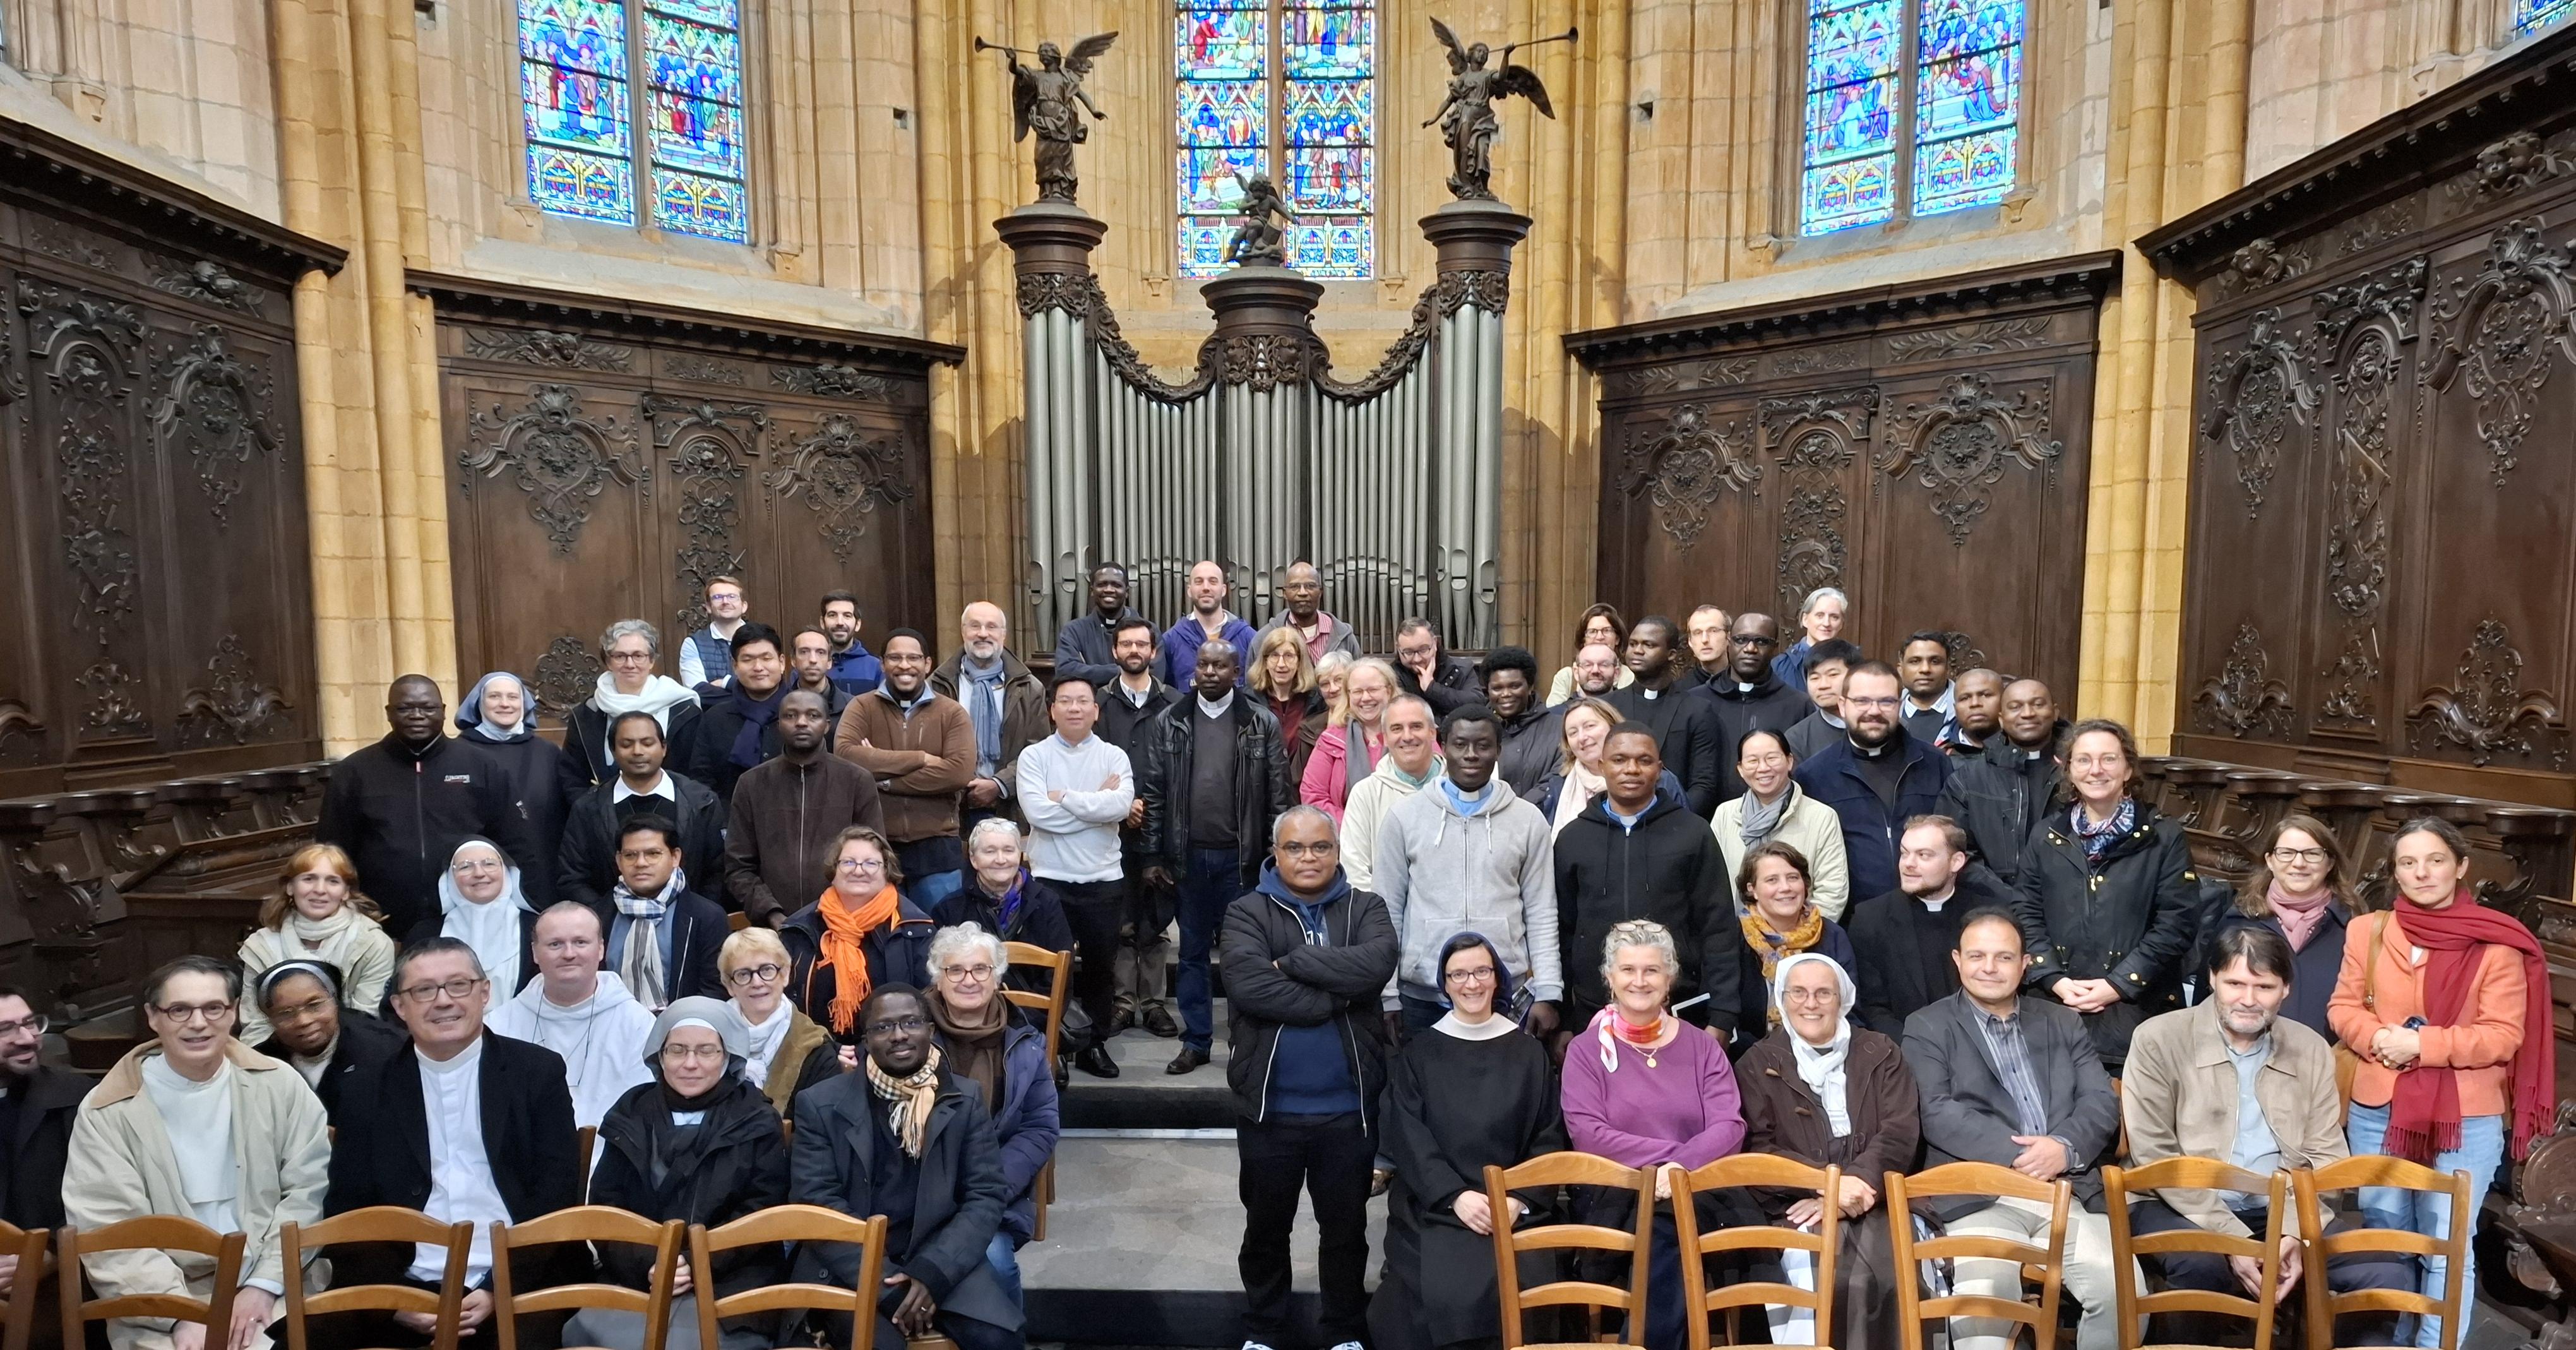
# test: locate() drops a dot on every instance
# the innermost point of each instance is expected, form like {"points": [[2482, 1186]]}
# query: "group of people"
{"points": [[1699, 893]]}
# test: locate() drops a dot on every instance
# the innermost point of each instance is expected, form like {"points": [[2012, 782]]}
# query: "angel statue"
{"points": [[1466, 116], [1258, 240], [1042, 100]]}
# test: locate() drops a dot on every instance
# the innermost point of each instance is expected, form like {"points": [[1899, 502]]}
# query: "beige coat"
{"points": [[2178, 1098], [121, 1168], [1814, 830]]}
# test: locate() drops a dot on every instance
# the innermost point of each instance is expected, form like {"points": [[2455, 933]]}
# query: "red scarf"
{"points": [[2424, 1113]]}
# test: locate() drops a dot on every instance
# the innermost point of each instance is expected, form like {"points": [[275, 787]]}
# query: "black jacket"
{"points": [[1124, 725], [1685, 725], [1082, 647], [39, 1146], [586, 869], [1999, 795], [528, 1134], [1453, 683], [710, 758], [401, 814], [532, 766], [1533, 748], [957, 1200], [1968, 1113], [1871, 825], [1668, 869], [365, 1040], [735, 1165], [2129, 920], [585, 763], [898, 953], [1904, 949], [699, 927], [1039, 922], [1275, 978], [1163, 774], [1768, 706]]}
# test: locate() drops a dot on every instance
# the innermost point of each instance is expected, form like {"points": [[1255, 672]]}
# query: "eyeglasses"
{"points": [[184, 1013], [1772, 760], [1325, 849], [977, 974], [896, 1026], [1811, 996], [629, 658], [858, 865], [34, 1026], [767, 972], [1851, 702], [682, 1054], [473, 865], [2299, 855], [460, 987], [1477, 975]]}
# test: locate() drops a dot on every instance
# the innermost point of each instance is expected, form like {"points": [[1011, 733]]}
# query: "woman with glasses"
{"points": [[1475, 1091], [315, 1032], [2299, 890], [1775, 807], [862, 932], [1599, 626], [1283, 674], [1002, 898], [698, 1144], [1347, 752], [784, 1051], [481, 905], [1005, 1059], [628, 650], [317, 914]]}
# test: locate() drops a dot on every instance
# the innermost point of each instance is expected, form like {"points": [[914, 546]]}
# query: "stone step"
{"points": [[1143, 1096]]}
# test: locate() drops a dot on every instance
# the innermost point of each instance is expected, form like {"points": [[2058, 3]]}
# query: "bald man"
{"points": [[1006, 703], [401, 806], [1176, 658], [1301, 596]]}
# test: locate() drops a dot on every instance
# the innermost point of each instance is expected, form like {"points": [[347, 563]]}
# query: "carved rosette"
{"points": [[541, 347], [1814, 438], [705, 447], [843, 473], [2486, 711], [2503, 330], [1683, 467], [218, 410], [2256, 395], [563, 676], [561, 457], [233, 704], [90, 349], [1959, 444], [2359, 331], [2242, 697]]}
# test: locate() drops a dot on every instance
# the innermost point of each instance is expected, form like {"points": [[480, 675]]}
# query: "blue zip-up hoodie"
{"points": [[1311, 1075]]}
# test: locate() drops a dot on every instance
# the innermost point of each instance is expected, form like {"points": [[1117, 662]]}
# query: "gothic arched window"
{"points": [[1287, 88], [583, 106], [1865, 158]]}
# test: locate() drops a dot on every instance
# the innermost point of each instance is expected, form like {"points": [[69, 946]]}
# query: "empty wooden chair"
{"points": [[381, 1223], [2135, 1303], [788, 1223], [2043, 1265], [161, 1232], [18, 1315], [1757, 1169], [585, 1223], [1571, 1169], [2324, 1305]]}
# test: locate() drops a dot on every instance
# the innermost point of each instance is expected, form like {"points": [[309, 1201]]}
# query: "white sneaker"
{"points": [[1348, 1345], [1254, 1345]]}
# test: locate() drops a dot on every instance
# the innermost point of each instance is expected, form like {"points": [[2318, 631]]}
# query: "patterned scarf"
{"points": [[2098, 839], [641, 966], [912, 1100], [844, 930], [1771, 944]]}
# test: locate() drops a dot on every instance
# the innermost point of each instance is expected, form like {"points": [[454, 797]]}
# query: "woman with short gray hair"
{"points": [[1820, 619], [627, 654], [990, 1049], [1005, 903]]}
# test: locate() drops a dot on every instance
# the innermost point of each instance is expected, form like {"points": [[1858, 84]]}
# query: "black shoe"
{"points": [[1095, 1060], [1159, 1020], [1187, 1060], [1122, 1019]]}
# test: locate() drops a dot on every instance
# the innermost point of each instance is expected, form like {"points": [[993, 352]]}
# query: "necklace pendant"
{"points": [[1650, 1059]]}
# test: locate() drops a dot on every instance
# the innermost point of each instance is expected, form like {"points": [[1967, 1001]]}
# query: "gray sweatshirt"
{"points": [[1443, 873]]}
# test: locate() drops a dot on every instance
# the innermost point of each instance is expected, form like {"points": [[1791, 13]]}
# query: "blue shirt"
{"points": [[856, 671], [2256, 1149]]}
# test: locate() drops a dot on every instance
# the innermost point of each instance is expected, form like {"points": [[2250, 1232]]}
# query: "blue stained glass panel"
{"points": [[2530, 16], [724, 14], [1329, 44], [1951, 28], [1845, 46], [574, 103], [1331, 178], [1207, 176], [569, 108], [1203, 248], [1840, 196], [1213, 43], [692, 203], [1333, 250], [1849, 120], [588, 187], [1335, 112], [1972, 93], [696, 126], [1231, 112], [1966, 171]]}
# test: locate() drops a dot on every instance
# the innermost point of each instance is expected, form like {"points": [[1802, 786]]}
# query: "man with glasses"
{"points": [[36, 1104], [706, 656], [1305, 957], [787, 812], [1876, 778], [464, 1126], [1749, 695], [195, 1124], [584, 1014], [905, 1138]]}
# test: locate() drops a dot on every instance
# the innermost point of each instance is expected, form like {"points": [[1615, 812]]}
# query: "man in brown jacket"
{"points": [[1006, 704], [921, 749], [787, 812]]}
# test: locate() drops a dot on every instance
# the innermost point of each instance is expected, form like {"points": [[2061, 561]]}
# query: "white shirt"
{"points": [[766, 1037], [460, 1171], [1075, 839], [601, 1040], [661, 788], [198, 1118]]}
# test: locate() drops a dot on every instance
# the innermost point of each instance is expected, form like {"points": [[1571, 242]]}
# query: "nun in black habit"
{"points": [[1474, 1090]]}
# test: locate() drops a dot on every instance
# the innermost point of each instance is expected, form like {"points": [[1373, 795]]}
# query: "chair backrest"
{"points": [[1570, 1169], [18, 1315], [2324, 1306], [2195, 1174], [382, 1223], [585, 1223], [1772, 1171], [787, 1223], [1060, 966], [586, 1139], [168, 1233], [1986, 1181]]}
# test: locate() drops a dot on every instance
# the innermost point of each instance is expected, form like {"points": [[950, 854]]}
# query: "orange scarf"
{"points": [[842, 954]]}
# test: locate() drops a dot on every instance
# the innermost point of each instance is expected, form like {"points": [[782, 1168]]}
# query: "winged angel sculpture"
{"points": [[1044, 100], [1466, 116]]}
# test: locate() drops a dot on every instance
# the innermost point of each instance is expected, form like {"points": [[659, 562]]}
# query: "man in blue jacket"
{"points": [[1876, 778]]}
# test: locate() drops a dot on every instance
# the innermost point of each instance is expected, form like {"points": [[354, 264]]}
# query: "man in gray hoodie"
{"points": [[1465, 854]]}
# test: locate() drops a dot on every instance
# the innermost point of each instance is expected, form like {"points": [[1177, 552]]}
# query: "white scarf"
{"points": [[198, 1118], [1580, 787], [1494, 1027], [330, 939], [659, 696], [640, 965], [762, 1041], [491, 929], [1820, 1067]]}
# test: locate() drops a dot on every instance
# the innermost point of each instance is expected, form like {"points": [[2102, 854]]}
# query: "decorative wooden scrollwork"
{"points": [[1960, 443], [1263, 362], [2243, 697], [1983, 339], [218, 410], [564, 676], [2262, 263], [2256, 394], [1682, 377], [540, 347], [115, 702], [22, 733], [2500, 328], [2359, 329], [234, 703], [844, 474], [2518, 163], [91, 347], [704, 370], [705, 447], [830, 381], [1965, 654], [1685, 465], [1814, 438], [561, 457], [207, 281], [2486, 711]]}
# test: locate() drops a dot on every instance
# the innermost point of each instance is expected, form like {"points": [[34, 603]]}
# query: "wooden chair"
{"points": [[737, 921], [2324, 1305], [1571, 1169], [787, 1223], [382, 1223], [18, 1315], [1053, 1002], [168, 1233], [1757, 1169], [588, 1136], [2135, 1303], [585, 1223], [2042, 1264]]}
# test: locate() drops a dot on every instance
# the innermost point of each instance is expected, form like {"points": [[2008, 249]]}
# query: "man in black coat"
{"points": [[1750, 696], [36, 1105], [586, 868], [402, 805], [1533, 733], [1130, 701], [1684, 723], [938, 1181], [1637, 854], [514, 1156], [1876, 779], [2000, 792], [1904, 937], [738, 727], [1426, 670], [1084, 647], [653, 894]]}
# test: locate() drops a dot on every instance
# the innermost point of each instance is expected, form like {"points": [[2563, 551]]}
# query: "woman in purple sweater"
{"points": [[1644, 1088]]}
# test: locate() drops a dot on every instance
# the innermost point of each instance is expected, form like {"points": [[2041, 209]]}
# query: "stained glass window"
{"points": [[2530, 16], [582, 108], [1286, 88], [1913, 107]]}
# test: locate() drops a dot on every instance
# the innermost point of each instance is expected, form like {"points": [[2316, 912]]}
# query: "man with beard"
{"points": [[1302, 589], [738, 727], [1130, 700], [1634, 854], [1082, 647], [402, 805], [1824, 665], [1006, 704], [1531, 732], [1930, 712], [2001, 792], [1903, 938], [809, 663], [921, 749], [786, 813], [1685, 726], [1177, 659], [1427, 671], [1749, 695], [1876, 779], [1978, 697], [1710, 627], [36, 1105], [2232, 1079], [853, 668], [1596, 671]]}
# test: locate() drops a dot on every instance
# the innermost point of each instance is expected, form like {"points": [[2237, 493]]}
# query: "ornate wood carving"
{"points": [[1965, 654], [1684, 467], [2486, 711], [1960, 443], [1815, 437], [831, 381], [2359, 330], [542, 347], [217, 409], [705, 370], [1683, 377], [91, 347], [1819, 360], [2393, 221], [2256, 395], [2500, 328], [205, 280], [2518, 163], [844, 474], [706, 448], [559, 456], [2243, 697], [115, 703], [1265, 361], [22, 733], [234, 703], [566, 673], [2263, 263], [1983, 339]]}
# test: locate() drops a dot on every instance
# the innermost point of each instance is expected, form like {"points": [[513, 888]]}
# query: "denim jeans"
{"points": [[1211, 880], [928, 891], [1004, 1258], [2480, 1152]]}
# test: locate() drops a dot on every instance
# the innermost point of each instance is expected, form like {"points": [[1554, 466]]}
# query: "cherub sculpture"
{"points": [[1258, 239], [1044, 100], [1466, 116]]}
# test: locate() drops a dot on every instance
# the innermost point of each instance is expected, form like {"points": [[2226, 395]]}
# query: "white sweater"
{"points": [[1366, 811], [1075, 838]]}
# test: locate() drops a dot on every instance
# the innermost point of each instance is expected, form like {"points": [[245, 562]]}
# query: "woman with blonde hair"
{"points": [[1583, 732], [1283, 674], [784, 1051], [1332, 676], [317, 914], [1348, 751]]}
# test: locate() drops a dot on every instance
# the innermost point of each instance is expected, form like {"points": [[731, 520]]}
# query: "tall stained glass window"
{"points": [[583, 108], [2530, 16], [1913, 107], [1287, 88]]}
